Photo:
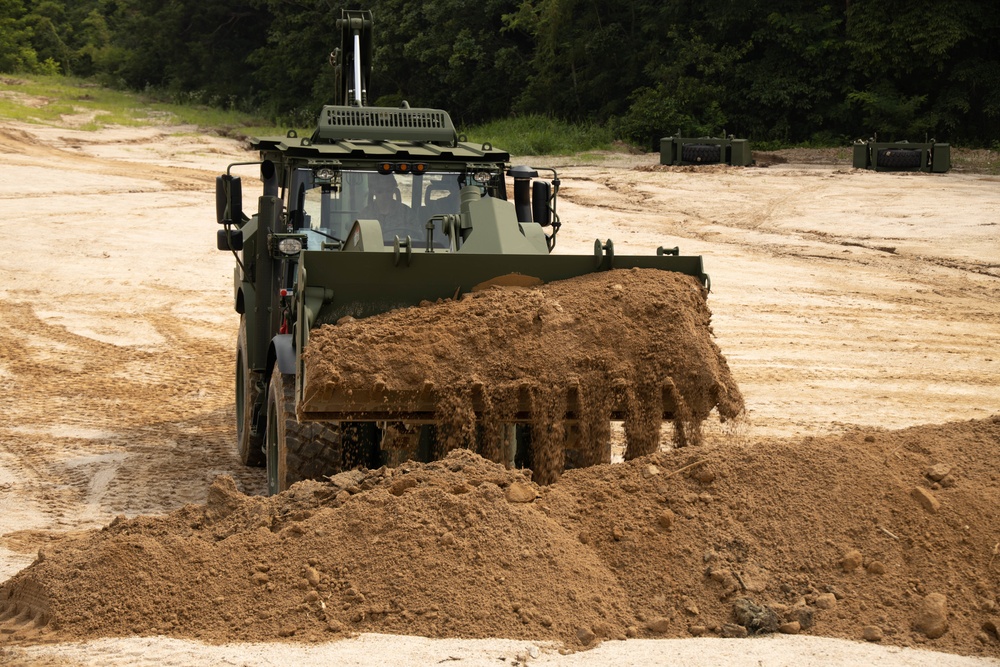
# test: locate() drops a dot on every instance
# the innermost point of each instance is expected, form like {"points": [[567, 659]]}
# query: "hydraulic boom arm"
{"points": [[353, 60]]}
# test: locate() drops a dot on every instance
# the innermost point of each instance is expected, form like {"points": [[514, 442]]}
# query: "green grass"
{"points": [[85, 105], [57, 100], [540, 135], [976, 160]]}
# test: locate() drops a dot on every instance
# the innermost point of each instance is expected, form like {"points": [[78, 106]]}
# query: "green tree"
{"points": [[921, 70], [96, 52], [443, 54], [790, 81], [44, 22], [290, 65], [16, 51], [182, 46], [588, 55]]}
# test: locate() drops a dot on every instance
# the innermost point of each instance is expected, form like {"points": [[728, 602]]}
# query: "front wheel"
{"points": [[275, 440], [310, 450], [249, 387]]}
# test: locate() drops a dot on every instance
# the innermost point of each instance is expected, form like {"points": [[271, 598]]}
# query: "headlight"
{"points": [[482, 177], [324, 174], [290, 246]]}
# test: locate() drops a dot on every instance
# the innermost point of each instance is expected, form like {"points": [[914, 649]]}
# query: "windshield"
{"points": [[402, 203]]}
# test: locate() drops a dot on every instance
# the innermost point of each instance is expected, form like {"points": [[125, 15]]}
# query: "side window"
{"points": [[345, 205], [441, 194], [333, 211]]}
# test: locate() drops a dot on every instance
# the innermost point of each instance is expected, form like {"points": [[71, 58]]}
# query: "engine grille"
{"points": [[387, 123]]}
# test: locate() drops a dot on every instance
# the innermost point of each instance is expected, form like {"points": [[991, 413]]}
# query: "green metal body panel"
{"points": [[667, 150], [860, 156], [385, 124], [739, 153], [940, 158], [361, 152], [366, 283]]}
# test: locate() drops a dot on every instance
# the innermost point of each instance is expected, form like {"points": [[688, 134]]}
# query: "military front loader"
{"points": [[379, 208]]}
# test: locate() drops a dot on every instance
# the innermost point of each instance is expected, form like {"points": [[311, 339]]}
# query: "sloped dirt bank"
{"points": [[881, 535]]}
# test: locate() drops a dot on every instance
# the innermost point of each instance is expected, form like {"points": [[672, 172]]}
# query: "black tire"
{"points": [[311, 450], [899, 158], [249, 406], [296, 451], [701, 153]]}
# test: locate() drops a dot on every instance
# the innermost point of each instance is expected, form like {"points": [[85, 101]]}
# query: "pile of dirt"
{"points": [[878, 535], [688, 168], [634, 340]]}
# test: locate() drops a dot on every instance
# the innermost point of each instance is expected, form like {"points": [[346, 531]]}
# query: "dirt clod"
{"points": [[756, 618], [826, 601], [519, 492], [733, 631], [932, 616], [938, 472], [851, 560], [926, 499], [875, 567], [790, 628]]}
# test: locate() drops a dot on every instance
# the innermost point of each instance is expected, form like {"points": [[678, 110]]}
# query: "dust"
{"points": [[819, 536], [574, 353]]}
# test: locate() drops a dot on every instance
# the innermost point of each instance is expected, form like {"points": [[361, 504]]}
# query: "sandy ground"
{"points": [[840, 298]]}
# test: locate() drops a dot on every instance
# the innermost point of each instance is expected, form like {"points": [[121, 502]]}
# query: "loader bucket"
{"points": [[361, 285]]}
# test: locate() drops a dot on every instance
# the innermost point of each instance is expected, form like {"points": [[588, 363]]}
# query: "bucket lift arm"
{"points": [[352, 61]]}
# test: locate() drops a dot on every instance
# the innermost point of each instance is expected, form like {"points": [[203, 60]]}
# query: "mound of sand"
{"points": [[878, 535], [635, 341]]}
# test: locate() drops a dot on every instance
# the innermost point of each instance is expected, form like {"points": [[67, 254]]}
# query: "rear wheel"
{"points": [[311, 450], [249, 389]]}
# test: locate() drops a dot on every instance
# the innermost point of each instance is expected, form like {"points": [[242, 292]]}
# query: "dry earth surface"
{"points": [[859, 313]]}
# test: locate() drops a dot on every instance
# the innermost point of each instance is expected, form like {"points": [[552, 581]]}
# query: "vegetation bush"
{"points": [[786, 71]]}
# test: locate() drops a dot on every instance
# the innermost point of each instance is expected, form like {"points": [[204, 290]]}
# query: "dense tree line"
{"points": [[783, 70]]}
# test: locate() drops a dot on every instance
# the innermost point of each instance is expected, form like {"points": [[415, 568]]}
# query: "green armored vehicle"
{"points": [[380, 208]]}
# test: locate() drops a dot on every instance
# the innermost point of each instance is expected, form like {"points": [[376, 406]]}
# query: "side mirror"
{"points": [[541, 193], [522, 192], [229, 199], [229, 239], [302, 180]]}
